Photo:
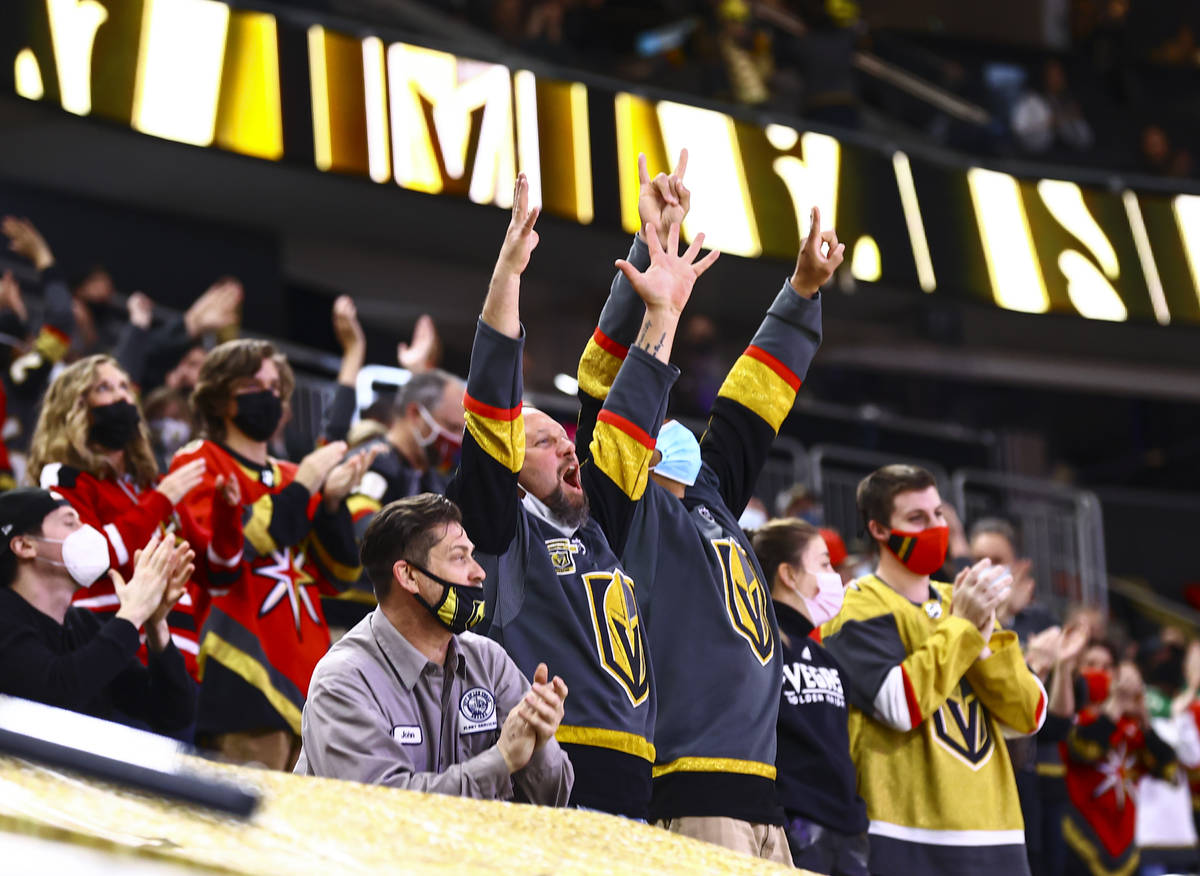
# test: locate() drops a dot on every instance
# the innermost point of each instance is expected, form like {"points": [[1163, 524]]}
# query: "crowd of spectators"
{"points": [[409, 602], [1108, 88]]}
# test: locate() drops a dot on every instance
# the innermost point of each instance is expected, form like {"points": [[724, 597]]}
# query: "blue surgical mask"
{"points": [[680, 453]]}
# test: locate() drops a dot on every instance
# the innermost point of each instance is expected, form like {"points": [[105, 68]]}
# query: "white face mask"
{"points": [[827, 601], [84, 554]]}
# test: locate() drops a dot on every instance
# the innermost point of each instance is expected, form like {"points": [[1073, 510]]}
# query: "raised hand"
{"points": [[819, 257], [520, 240], [25, 240], [346, 326], [1042, 650], [141, 309], [422, 354], [664, 200], [346, 475], [10, 296], [218, 308], [315, 468], [667, 283], [182, 481]]}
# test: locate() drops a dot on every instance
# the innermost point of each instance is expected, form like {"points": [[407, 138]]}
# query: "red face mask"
{"points": [[1098, 683], [922, 553]]}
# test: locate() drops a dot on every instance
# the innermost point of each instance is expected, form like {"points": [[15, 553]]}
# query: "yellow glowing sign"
{"points": [[179, 69], [1012, 263], [205, 74]]}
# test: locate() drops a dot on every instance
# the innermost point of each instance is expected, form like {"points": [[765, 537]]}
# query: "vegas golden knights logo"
{"points": [[618, 628], [745, 599], [961, 726]]}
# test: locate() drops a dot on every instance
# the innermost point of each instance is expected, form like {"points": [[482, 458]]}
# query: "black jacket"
{"points": [[91, 666], [816, 777]]}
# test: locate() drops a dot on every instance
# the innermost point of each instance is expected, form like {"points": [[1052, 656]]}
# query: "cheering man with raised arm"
{"points": [[935, 687], [555, 529], [706, 603]]}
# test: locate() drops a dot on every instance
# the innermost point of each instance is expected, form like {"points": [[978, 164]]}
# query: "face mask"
{"points": [[1098, 682], [442, 447], [827, 602], [460, 607], [84, 554], [171, 434], [752, 519], [922, 553], [114, 425], [258, 414], [680, 453]]}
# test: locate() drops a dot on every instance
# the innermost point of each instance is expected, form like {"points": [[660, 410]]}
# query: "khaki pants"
{"points": [[766, 841], [274, 749]]}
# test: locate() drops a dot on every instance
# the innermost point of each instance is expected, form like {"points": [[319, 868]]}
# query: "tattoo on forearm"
{"points": [[644, 342]]}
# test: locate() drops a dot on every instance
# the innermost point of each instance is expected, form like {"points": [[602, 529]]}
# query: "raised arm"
{"points": [[761, 388], [662, 201], [485, 485], [336, 421], [627, 426]]}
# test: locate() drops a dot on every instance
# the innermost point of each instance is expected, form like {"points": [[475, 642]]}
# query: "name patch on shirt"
{"points": [[476, 711], [407, 734]]}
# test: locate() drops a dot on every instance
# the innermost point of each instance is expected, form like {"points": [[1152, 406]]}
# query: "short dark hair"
{"points": [[781, 541], [424, 389], [877, 492], [225, 366], [406, 529], [996, 526]]}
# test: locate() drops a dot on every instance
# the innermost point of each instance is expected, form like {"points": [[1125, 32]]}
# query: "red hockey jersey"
{"points": [[1105, 761], [261, 569], [128, 516]]}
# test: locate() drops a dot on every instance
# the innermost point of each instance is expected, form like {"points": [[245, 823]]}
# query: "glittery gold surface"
{"points": [[334, 828]]}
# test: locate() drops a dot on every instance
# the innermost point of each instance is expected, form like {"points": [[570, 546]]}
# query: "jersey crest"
{"points": [[746, 599], [961, 726], [562, 554], [618, 629]]}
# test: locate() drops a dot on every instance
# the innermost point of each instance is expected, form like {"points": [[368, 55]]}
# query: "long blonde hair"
{"points": [[62, 429]]}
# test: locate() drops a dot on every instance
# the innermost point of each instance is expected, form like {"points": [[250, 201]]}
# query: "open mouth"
{"points": [[570, 476]]}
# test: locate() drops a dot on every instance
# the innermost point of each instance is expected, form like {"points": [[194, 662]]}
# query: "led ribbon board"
{"points": [[213, 75]]}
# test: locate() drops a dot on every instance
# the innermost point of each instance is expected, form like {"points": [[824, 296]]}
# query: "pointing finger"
{"points": [[814, 231], [643, 172], [694, 249]]}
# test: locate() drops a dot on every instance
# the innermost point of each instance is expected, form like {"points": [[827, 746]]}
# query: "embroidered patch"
{"points": [[933, 608], [476, 711]]}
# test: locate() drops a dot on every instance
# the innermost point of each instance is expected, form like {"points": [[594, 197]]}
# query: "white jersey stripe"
{"points": [[928, 837], [118, 543]]}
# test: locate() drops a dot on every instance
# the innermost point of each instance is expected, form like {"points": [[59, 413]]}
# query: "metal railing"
{"points": [[1061, 529]]}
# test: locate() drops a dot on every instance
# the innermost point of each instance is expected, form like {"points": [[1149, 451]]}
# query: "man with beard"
{"points": [[553, 530]]}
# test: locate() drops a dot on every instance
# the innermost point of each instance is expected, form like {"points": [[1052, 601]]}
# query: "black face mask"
{"points": [[114, 425], [258, 414], [460, 607]]}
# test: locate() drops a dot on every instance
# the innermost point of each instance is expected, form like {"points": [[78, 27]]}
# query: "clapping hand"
{"points": [[979, 592], [346, 475], [10, 296], [152, 567], [218, 308]]}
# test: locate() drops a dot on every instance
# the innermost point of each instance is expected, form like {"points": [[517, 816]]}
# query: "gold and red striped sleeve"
{"points": [[763, 384], [599, 364], [499, 432], [622, 450]]}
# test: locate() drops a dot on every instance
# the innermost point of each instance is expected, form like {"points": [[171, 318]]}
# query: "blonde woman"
{"points": [[92, 447]]}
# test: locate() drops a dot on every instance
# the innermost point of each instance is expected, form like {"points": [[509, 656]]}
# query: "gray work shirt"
{"points": [[379, 712]]}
